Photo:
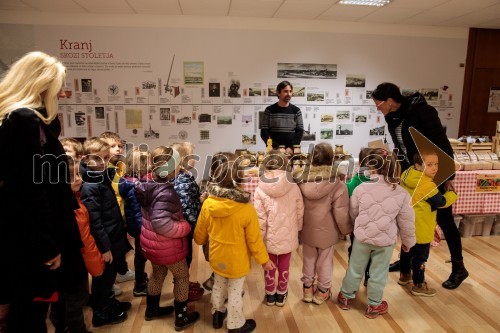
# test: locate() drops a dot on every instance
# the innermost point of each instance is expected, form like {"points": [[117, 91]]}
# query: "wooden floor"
{"points": [[473, 307]]}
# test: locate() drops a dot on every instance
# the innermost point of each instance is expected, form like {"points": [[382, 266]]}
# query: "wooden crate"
{"points": [[496, 144], [486, 146]]}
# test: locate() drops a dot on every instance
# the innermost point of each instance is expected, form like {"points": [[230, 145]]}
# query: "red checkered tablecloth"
{"points": [[472, 202]]}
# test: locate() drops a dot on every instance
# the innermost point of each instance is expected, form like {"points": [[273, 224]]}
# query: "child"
{"points": [[231, 225], [380, 209], [137, 167], [326, 218], [107, 227], [352, 183], [163, 237], [189, 193], [419, 181], [67, 313], [72, 148], [280, 208], [117, 170]]}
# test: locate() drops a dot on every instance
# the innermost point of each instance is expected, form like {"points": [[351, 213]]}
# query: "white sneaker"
{"points": [[129, 276], [117, 290]]}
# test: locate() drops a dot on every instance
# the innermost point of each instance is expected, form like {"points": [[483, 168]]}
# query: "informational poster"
{"points": [[494, 100]]}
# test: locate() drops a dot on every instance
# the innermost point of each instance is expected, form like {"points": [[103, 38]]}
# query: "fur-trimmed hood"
{"points": [[227, 200], [315, 173]]}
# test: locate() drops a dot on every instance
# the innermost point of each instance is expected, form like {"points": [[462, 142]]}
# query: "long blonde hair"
{"points": [[36, 73]]}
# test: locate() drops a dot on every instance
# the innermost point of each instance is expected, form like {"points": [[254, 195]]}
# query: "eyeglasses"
{"points": [[379, 104]]}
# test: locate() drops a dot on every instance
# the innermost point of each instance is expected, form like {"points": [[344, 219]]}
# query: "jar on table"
{"points": [[296, 149], [282, 148]]}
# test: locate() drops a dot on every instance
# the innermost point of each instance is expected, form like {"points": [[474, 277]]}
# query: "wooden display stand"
{"points": [[477, 225]]}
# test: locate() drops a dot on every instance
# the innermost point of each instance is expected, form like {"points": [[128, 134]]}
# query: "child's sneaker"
{"points": [[128, 276], [422, 289], [270, 299], [117, 290], [281, 299], [321, 296], [373, 311], [404, 279], [344, 303], [308, 294], [209, 283]]}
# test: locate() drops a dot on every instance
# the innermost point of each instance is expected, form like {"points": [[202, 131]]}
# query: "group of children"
{"points": [[164, 211]]}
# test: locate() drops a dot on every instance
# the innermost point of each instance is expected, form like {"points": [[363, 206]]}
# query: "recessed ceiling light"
{"points": [[375, 3]]}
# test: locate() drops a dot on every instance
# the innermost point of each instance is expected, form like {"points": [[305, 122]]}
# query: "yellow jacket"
{"points": [[425, 199], [230, 223]]}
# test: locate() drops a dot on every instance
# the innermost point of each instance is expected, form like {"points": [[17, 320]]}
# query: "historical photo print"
{"points": [[344, 129], [355, 81], [307, 71], [214, 89], [326, 133], [86, 85], [193, 72], [164, 113], [249, 139]]}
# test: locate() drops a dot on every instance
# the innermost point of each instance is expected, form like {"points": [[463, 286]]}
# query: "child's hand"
{"points": [[268, 266], [405, 248], [203, 196], [54, 263], [107, 257]]}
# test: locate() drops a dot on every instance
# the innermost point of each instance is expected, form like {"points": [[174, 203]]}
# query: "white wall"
{"points": [[244, 49]]}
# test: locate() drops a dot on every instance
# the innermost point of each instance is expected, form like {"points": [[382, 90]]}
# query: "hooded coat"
{"points": [[326, 206], [425, 199], [280, 208], [230, 224], [164, 230], [380, 210]]}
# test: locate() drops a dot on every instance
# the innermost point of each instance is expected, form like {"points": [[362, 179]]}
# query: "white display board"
{"points": [[162, 85]]}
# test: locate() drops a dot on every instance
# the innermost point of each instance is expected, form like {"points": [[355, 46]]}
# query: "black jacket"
{"points": [[106, 221], [37, 221], [415, 112]]}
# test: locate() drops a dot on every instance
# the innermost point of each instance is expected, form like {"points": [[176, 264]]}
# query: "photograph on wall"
{"points": [[299, 91], [80, 118], [316, 96], [494, 100], [193, 72], [355, 80], [234, 89], [224, 120], [307, 71], [309, 135], [150, 134], [250, 139], [343, 115], [360, 118], [86, 85], [99, 112], [204, 118], [408, 92], [431, 95], [327, 118], [368, 94], [271, 90], [214, 89], [256, 90], [133, 118], [344, 129], [377, 131], [184, 120], [326, 133], [164, 113]]}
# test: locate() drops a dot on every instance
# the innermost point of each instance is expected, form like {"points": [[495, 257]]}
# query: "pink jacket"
{"points": [[326, 207], [379, 212], [164, 230], [279, 205]]}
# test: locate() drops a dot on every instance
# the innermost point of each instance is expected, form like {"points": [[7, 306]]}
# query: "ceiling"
{"points": [[442, 13]]}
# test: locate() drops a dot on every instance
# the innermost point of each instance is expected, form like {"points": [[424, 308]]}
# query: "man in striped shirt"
{"points": [[282, 121]]}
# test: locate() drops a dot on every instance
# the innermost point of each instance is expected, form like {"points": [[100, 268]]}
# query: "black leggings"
{"points": [[447, 224]]}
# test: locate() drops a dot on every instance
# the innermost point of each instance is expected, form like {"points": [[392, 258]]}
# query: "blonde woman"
{"points": [[38, 231]]}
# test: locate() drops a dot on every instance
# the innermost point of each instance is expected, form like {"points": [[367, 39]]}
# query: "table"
{"points": [[471, 202]]}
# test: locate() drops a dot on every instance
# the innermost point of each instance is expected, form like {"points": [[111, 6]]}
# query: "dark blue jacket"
{"points": [[132, 207]]}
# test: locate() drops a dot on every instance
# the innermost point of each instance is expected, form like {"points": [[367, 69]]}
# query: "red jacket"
{"points": [[90, 253]]}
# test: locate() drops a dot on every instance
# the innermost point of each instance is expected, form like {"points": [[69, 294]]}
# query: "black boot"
{"points": [[110, 314], [249, 326], [457, 276], [153, 308], [394, 267], [184, 319], [218, 319]]}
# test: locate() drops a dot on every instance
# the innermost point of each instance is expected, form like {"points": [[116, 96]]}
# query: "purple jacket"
{"points": [[164, 230]]}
